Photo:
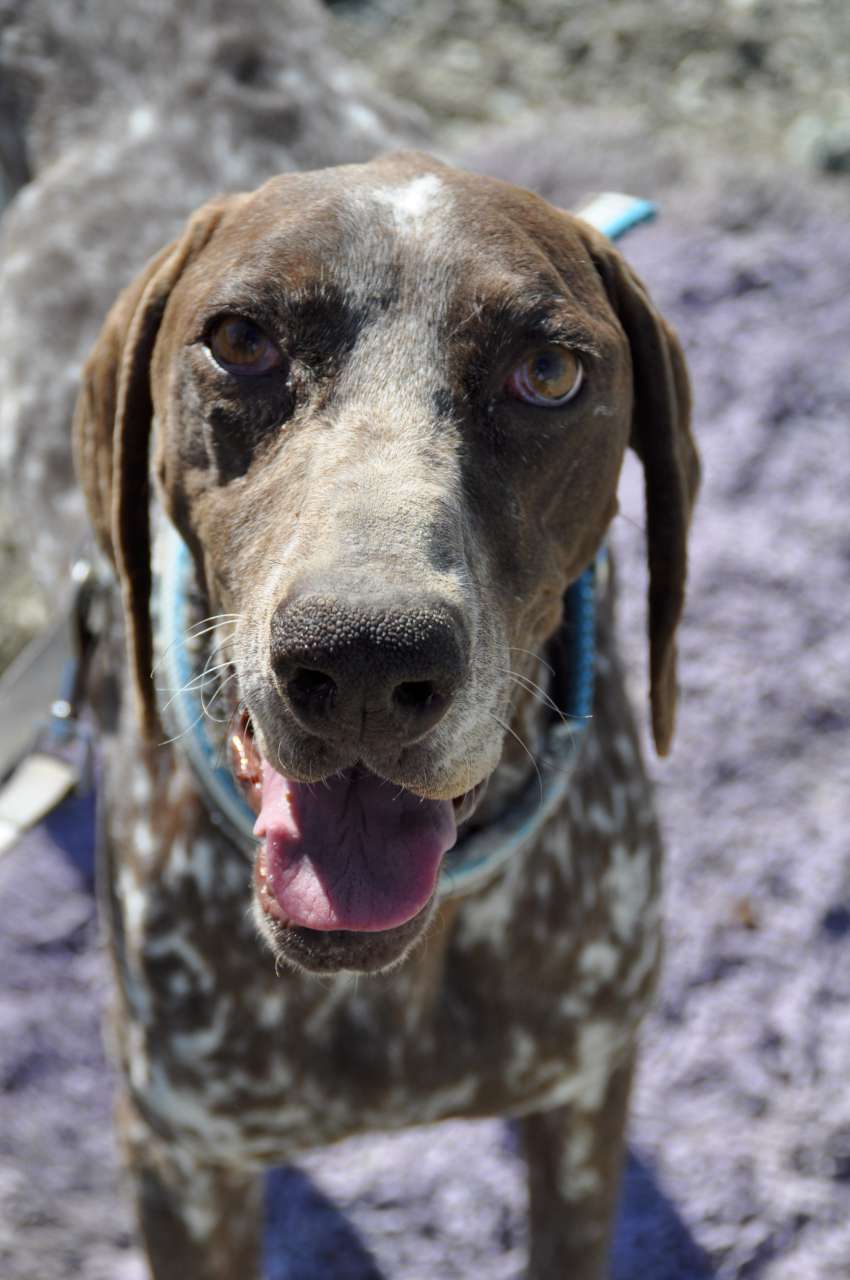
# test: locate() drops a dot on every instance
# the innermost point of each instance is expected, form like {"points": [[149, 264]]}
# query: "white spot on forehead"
{"points": [[414, 202]]}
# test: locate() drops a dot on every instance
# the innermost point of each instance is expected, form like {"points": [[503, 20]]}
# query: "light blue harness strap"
{"points": [[478, 856]]}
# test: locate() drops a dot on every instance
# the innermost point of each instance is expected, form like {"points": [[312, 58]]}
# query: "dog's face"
{"points": [[392, 403]]}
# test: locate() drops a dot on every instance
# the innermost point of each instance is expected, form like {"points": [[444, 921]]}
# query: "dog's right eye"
{"points": [[240, 346], [548, 377]]}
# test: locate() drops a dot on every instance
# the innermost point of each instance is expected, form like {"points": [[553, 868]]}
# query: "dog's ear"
{"points": [[661, 437], [112, 425]]}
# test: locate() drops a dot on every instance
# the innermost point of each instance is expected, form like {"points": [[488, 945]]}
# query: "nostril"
{"points": [[419, 698], [309, 688], [414, 694]]}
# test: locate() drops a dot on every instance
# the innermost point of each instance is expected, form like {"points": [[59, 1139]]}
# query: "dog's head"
{"points": [[391, 406]]}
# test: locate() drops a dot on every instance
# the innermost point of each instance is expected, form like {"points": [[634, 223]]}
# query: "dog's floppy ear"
{"points": [[661, 437], [112, 426]]}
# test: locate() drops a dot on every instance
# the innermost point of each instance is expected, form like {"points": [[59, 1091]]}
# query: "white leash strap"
{"points": [[37, 786], [59, 755], [28, 684]]}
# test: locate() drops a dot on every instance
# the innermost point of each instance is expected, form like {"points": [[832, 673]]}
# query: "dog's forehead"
{"points": [[405, 196], [347, 225]]}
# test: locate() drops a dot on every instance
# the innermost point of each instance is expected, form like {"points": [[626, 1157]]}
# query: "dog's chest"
{"points": [[521, 997]]}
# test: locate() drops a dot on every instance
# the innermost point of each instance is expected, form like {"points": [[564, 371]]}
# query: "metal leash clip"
{"points": [[66, 733]]}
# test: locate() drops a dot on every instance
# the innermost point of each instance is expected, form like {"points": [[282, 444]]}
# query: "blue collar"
{"points": [[479, 855]]}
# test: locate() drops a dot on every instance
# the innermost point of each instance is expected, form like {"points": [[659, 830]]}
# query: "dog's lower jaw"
{"points": [[327, 952], [305, 938]]}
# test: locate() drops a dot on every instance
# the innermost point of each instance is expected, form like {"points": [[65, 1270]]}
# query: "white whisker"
{"points": [[234, 675], [537, 692], [199, 629], [507, 728], [196, 683], [535, 656], [177, 736]]}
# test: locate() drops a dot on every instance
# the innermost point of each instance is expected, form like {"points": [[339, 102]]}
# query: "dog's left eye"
{"points": [[240, 346], [548, 376]]}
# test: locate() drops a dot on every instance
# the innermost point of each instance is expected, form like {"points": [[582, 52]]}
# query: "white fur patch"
{"points": [[143, 842], [598, 1046], [578, 1178], [627, 887], [135, 903], [414, 203], [599, 961], [191, 1045]]}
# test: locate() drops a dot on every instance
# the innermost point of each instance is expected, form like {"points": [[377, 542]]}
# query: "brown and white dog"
{"points": [[389, 405]]}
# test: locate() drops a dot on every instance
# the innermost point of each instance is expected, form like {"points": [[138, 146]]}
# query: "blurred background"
{"points": [[735, 118]]}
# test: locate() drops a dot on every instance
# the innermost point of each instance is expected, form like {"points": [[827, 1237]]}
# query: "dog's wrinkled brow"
{"points": [[308, 322], [506, 321]]}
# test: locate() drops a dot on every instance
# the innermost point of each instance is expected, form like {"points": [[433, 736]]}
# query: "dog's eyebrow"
{"points": [[507, 321], [270, 294], [563, 329], [324, 313]]}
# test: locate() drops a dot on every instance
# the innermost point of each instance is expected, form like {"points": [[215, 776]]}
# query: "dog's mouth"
{"points": [[353, 852]]}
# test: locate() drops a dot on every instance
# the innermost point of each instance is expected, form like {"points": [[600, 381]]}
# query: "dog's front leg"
{"points": [[574, 1163], [197, 1221]]}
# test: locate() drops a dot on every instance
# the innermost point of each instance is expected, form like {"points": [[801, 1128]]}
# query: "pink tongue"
{"points": [[354, 852]]}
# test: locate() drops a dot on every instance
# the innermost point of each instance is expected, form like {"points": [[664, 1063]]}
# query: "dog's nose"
{"points": [[378, 671]]}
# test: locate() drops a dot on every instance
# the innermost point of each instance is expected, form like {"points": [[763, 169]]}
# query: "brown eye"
{"points": [[240, 346], [549, 376]]}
